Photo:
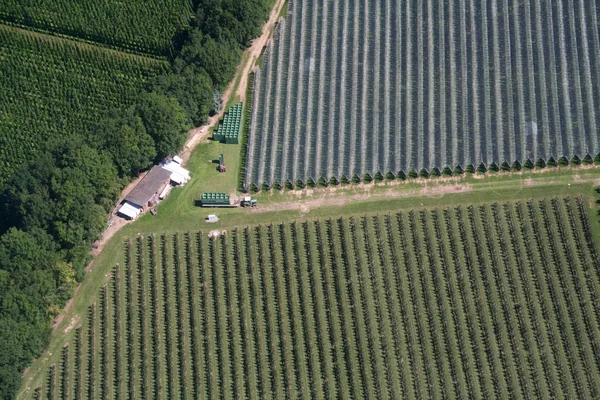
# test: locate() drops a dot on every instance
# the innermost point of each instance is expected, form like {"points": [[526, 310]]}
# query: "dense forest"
{"points": [[54, 207]]}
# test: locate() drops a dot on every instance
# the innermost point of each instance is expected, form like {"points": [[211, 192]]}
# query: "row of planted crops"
{"points": [[54, 88], [138, 25], [486, 301], [359, 87]]}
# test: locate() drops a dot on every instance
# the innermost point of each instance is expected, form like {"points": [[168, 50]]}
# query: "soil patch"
{"points": [[329, 198], [59, 318], [72, 324]]}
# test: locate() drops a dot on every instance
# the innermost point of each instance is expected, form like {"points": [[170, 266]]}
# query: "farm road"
{"points": [[307, 199]]}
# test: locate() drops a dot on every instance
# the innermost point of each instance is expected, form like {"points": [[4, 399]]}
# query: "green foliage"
{"points": [[192, 87], [409, 304], [25, 284], [221, 29], [66, 193], [53, 88], [59, 204], [64, 280], [75, 123], [145, 26], [165, 121], [123, 136], [232, 19], [218, 57]]}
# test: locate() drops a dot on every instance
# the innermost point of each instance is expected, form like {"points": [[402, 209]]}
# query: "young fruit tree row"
{"points": [[493, 300], [139, 25]]}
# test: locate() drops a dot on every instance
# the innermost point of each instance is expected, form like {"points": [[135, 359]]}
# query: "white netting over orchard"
{"points": [[360, 87]]}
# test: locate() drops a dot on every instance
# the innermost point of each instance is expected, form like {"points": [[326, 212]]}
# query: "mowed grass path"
{"points": [[180, 213], [481, 301]]}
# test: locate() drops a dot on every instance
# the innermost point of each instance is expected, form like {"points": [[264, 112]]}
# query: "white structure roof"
{"points": [[178, 169], [130, 210], [178, 160], [178, 179], [165, 191]]}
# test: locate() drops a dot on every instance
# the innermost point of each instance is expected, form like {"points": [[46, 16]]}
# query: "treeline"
{"points": [[53, 208]]}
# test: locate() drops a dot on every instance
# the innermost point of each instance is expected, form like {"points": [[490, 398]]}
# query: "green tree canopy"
{"points": [[232, 19], [65, 192], [26, 283], [53, 208], [218, 57], [192, 87], [123, 136], [165, 121]]}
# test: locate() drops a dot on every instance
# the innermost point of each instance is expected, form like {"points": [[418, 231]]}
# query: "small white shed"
{"points": [[178, 179], [165, 192], [212, 218], [129, 210]]}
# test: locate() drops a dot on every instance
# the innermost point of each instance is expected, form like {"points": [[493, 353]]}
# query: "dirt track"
{"points": [[251, 55], [308, 199], [329, 197]]}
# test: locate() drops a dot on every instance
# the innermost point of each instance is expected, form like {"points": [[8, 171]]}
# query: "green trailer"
{"points": [[225, 201], [217, 200]]}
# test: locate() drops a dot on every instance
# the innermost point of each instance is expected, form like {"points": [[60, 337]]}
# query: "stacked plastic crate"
{"points": [[229, 130]]}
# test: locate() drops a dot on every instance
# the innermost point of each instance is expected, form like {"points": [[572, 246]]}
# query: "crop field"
{"points": [[495, 300], [56, 87], [356, 87], [139, 25]]}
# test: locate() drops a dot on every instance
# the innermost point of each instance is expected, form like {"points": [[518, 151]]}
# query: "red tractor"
{"points": [[222, 166]]}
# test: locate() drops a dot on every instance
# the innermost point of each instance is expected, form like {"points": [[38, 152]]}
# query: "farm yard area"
{"points": [[359, 88], [374, 199]]}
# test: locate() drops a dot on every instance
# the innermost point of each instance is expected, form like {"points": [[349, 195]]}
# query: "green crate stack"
{"points": [[229, 130]]}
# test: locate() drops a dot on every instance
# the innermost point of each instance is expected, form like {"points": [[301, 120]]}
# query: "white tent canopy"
{"points": [[178, 178], [166, 190], [129, 210], [179, 170]]}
